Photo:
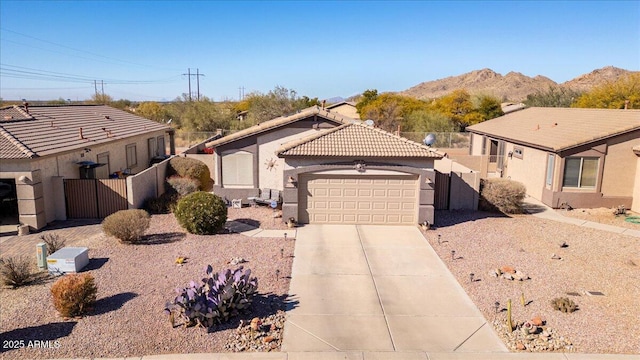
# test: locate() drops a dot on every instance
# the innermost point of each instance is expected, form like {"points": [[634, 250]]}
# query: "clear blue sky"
{"points": [[55, 49]]}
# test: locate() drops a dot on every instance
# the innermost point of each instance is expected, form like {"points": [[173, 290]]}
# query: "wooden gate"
{"points": [[95, 198], [441, 197]]}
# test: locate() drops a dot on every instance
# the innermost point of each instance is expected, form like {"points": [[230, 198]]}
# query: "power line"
{"points": [[197, 75], [74, 49]]}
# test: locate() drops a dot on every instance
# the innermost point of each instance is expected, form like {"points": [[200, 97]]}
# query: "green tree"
{"points": [[103, 99], [613, 95], [390, 110], [153, 111], [277, 102], [429, 121], [488, 107], [554, 96], [367, 97]]}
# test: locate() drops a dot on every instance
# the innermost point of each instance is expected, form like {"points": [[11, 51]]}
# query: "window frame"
{"points": [[580, 173], [152, 147], [243, 181], [134, 162], [551, 164], [162, 149]]}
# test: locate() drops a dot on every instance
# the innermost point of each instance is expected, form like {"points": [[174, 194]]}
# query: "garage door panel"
{"points": [[364, 192], [394, 193], [359, 199], [335, 192], [350, 193]]}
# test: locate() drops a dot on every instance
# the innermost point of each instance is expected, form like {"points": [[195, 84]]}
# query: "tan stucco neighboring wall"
{"points": [[267, 145], [530, 170], [620, 163], [476, 144], [346, 110]]}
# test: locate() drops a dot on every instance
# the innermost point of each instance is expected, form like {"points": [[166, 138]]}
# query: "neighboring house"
{"points": [[330, 169], [584, 158], [346, 108], [42, 145]]}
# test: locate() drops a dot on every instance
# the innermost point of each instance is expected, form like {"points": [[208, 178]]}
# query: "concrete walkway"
{"points": [[379, 288], [538, 209]]}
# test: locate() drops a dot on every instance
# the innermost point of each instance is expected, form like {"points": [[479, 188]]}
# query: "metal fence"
{"points": [[443, 139]]}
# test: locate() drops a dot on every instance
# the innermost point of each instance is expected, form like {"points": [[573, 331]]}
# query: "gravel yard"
{"points": [[134, 283], [602, 215], [592, 261], [258, 216]]}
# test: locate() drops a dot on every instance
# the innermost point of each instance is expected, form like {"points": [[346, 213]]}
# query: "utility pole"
{"points": [[198, 81], [95, 87], [102, 85], [197, 75], [189, 77], [241, 93]]}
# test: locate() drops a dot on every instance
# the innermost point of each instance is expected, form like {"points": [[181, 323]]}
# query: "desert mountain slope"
{"points": [[513, 86]]}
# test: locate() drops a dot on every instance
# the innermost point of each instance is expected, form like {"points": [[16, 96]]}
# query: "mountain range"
{"points": [[513, 86]]}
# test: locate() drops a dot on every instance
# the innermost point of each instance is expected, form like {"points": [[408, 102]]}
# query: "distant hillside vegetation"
{"points": [[511, 87]]}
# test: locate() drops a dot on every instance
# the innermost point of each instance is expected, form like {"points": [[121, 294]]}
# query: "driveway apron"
{"points": [[378, 288]]}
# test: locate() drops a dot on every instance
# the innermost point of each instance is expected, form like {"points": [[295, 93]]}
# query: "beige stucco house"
{"points": [[40, 146], [565, 156], [330, 168], [346, 108]]}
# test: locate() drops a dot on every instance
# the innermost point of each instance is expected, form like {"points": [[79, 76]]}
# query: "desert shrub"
{"points": [[53, 241], [217, 298], [15, 271], [564, 304], [162, 204], [73, 294], [183, 185], [191, 168], [502, 195], [127, 225], [201, 213]]}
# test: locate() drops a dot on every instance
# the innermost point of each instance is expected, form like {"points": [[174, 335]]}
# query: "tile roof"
{"points": [[357, 140], [281, 121], [47, 130], [557, 129]]}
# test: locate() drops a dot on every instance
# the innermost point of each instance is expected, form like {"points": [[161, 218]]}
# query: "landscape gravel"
{"points": [[603, 216], [134, 283], [590, 260]]}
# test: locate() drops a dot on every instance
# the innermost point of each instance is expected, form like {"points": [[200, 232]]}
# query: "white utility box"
{"points": [[68, 260]]}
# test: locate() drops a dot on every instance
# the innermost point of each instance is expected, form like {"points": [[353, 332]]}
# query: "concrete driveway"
{"points": [[378, 288]]}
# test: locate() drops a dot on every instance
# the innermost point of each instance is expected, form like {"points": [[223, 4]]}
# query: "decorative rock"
{"points": [[507, 276], [520, 346], [508, 269], [237, 260], [537, 321]]}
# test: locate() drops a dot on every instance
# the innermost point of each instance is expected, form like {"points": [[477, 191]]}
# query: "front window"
{"points": [[132, 156], [237, 169], [580, 172], [550, 166]]}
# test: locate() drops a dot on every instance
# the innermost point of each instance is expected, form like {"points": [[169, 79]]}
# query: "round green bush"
{"points": [[201, 213], [191, 168], [127, 225]]}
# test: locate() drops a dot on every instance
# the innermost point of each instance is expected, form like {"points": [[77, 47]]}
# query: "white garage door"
{"points": [[353, 199]]}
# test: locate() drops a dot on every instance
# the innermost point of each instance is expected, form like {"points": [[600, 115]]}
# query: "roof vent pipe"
{"points": [[626, 104], [80, 134], [26, 106]]}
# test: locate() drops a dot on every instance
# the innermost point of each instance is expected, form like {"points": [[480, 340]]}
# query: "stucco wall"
{"points": [[530, 170], [346, 110], [620, 165], [146, 184], [267, 145]]}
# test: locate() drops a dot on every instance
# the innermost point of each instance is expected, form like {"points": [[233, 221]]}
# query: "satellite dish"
{"points": [[429, 140], [368, 122]]}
